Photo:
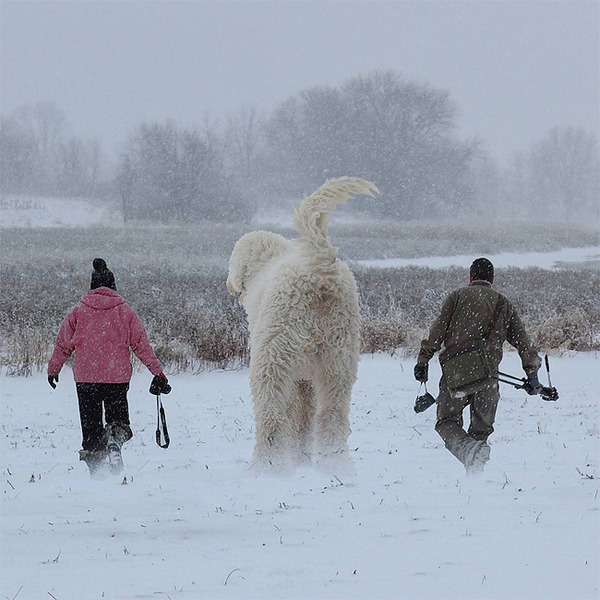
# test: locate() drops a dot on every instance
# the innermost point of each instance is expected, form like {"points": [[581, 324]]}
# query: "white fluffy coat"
{"points": [[304, 323]]}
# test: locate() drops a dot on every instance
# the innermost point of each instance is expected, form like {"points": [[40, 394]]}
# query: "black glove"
{"points": [[53, 380], [159, 385], [532, 386], [422, 371]]}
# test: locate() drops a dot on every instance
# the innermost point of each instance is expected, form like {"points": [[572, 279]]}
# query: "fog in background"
{"points": [[515, 69], [196, 122], [518, 84]]}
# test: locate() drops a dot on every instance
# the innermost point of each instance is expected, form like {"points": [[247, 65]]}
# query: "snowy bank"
{"points": [[41, 211], [566, 258], [194, 523]]}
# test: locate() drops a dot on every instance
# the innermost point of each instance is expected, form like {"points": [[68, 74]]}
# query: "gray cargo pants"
{"points": [[449, 422]]}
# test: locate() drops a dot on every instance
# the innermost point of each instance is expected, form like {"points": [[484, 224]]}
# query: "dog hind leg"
{"points": [[333, 392], [302, 415], [273, 387]]}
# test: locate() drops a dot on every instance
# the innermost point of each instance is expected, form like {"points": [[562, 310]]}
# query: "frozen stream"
{"points": [[588, 257]]}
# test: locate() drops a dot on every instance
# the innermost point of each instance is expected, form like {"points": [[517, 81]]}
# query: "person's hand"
{"points": [[532, 386], [53, 380], [422, 371], [160, 385]]}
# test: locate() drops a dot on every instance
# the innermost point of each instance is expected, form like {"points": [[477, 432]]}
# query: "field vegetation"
{"points": [[174, 277]]}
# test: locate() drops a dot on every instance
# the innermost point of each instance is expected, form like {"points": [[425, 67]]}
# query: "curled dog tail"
{"points": [[312, 216]]}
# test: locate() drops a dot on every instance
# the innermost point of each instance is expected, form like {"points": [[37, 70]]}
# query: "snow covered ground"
{"points": [[567, 257], [194, 522], [39, 211]]}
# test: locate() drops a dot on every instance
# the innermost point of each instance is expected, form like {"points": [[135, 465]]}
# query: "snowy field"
{"points": [[193, 522], [587, 257], [38, 211]]}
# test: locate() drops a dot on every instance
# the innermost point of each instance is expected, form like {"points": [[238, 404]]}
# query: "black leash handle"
{"points": [[550, 394], [548, 370], [161, 425]]}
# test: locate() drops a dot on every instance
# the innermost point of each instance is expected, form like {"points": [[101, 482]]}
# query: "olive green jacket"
{"points": [[466, 314]]}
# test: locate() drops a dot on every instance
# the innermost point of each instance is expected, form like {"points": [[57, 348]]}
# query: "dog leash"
{"points": [[161, 424]]}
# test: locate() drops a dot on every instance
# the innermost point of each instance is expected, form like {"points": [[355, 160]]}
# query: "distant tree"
{"points": [[202, 183], [377, 126], [37, 155], [487, 187], [517, 188], [564, 172], [286, 170], [152, 153], [244, 142], [17, 157], [176, 174], [125, 182], [78, 166], [45, 124]]}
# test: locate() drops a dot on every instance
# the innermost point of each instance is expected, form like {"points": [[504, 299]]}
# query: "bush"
{"points": [[194, 324], [174, 278], [571, 331]]}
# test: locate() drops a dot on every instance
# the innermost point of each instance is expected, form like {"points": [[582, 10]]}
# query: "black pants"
{"points": [[92, 398]]}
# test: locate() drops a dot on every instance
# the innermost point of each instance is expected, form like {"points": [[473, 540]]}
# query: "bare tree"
{"points": [[380, 127], [77, 167], [564, 170], [17, 157], [179, 174], [45, 124], [125, 183], [244, 140]]}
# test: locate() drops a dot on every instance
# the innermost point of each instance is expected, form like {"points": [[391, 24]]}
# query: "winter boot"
{"points": [[476, 457], [116, 435], [96, 462]]}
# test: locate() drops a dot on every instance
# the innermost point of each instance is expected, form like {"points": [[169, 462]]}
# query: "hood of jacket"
{"points": [[102, 298]]}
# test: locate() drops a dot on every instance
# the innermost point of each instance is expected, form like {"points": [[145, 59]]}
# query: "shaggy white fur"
{"points": [[304, 323]]}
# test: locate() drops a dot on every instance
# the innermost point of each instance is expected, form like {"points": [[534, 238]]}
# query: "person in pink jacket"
{"points": [[101, 330]]}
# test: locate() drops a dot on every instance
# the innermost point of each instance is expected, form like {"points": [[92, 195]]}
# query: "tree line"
{"points": [[39, 156], [378, 126]]}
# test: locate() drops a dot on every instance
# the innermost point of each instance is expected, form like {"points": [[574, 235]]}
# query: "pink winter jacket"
{"points": [[101, 329]]}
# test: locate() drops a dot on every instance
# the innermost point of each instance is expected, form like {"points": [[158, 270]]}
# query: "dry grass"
{"points": [[413, 239], [194, 324], [560, 309], [174, 277]]}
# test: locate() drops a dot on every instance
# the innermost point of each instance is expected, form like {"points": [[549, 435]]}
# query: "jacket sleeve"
{"points": [[438, 331], [517, 336], [141, 346], [64, 344]]}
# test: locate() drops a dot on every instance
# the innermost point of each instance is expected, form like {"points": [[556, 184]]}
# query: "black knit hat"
{"points": [[482, 269], [102, 276]]}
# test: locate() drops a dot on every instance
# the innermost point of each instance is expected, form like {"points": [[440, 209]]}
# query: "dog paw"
{"points": [[278, 465], [335, 463]]}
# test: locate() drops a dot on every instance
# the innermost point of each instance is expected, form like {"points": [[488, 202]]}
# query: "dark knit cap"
{"points": [[482, 270], [102, 276]]}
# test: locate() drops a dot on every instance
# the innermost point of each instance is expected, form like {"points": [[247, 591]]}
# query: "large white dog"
{"points": [[304, 323]]}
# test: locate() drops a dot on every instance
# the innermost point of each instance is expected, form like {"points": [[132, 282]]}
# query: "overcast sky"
{"points": [[515, 69]]}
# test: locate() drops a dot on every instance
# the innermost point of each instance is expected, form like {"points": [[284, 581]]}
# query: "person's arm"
{"points": [[437, 335], [141, 346], [438, 331], [64, 345], [517, 337]]}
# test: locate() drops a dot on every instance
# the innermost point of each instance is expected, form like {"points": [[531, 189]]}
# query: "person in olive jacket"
{"points": [[465, 316], [101, 330]]}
